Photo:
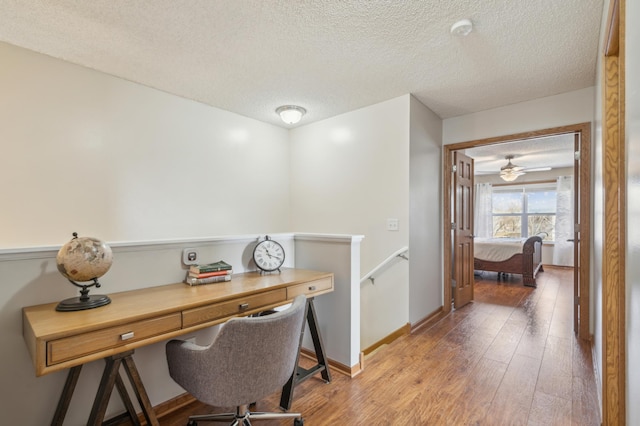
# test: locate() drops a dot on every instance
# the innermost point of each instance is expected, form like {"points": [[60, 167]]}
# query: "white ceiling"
{"points": [[329, 56], [550, 151]]}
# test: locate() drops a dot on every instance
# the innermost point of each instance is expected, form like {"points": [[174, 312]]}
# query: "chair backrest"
{"points": [[250, 358]]}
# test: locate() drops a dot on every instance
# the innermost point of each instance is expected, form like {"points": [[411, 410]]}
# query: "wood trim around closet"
{"points": [[614, 239]]}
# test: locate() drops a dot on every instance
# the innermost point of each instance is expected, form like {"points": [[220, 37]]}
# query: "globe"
{"points": [[84, 259]]}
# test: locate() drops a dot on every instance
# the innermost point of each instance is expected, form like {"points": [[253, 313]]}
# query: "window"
{"points": [[523, 211]]}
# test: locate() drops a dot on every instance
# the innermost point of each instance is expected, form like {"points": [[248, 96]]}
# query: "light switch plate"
{"points": [[190, 256]]}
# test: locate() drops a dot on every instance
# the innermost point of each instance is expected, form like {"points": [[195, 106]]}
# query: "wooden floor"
{"points": [[508, 358]]}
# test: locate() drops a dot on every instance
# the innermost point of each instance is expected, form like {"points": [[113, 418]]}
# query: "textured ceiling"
{"points": [[550, 151], [329, 56]]}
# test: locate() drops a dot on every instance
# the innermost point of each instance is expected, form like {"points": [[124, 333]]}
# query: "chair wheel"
{"points": [[298, 422], [192, 423]]}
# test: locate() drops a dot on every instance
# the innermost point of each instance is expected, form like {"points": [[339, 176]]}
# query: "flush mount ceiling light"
{"points": [[462, 28], [291, 114], [510, 171]]}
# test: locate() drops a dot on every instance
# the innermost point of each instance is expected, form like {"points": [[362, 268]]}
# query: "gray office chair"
{"points": [[248, 360]]}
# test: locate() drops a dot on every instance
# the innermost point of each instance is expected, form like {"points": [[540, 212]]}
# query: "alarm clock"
{"points": [[268, 255]]}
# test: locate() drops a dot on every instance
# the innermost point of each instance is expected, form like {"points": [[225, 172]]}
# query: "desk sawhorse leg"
{"points": [[110, 378], [302, 374]]}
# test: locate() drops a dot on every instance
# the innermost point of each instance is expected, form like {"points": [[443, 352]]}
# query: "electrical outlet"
{"points": [[190, 256], [393, 224]]}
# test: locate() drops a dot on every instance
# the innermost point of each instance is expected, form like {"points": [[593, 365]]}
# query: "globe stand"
{"points": [[85, 301]]}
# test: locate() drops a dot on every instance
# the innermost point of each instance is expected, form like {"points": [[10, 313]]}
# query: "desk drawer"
{"points": [[234, 307], [311, 288], [83, 344]]}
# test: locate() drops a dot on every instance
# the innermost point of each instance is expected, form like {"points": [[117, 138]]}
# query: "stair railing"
{"points": [[401, 253]]}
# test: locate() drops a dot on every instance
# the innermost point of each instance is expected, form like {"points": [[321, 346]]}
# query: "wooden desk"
{"points": [[61, 340]]}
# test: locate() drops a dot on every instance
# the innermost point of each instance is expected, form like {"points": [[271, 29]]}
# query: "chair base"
{"points": [[243, 417]]}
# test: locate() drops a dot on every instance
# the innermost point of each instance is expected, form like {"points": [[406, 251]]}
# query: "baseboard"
{"points": [[408, 328], [430, 319], [168, 407], [402, 331], [335, 365], [544, 265]]}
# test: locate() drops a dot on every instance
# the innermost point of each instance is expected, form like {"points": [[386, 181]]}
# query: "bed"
{"points": [[509, 256]]}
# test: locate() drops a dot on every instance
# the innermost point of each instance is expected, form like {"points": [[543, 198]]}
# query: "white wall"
{"points": [[84, 151], [349, 174], [339, 254], [633, 208], [425, 212], [553, 111]]}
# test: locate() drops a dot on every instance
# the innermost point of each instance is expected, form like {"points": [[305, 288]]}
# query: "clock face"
{"points": [[268, 255]]}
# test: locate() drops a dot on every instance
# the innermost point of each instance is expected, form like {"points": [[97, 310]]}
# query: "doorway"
{"points": [[582, 228]]}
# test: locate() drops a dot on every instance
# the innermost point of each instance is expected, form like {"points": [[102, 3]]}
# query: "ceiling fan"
{"points": [[510, 172]]}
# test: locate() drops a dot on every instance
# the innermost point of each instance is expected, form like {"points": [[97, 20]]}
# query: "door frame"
{"points": [[614, 330], [584, 129]]}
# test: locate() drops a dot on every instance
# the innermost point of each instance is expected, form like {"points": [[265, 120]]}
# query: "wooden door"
{"points": [[462, 280]]}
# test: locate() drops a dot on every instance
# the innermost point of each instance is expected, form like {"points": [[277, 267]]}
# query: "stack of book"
{"points": [[210, 273]]}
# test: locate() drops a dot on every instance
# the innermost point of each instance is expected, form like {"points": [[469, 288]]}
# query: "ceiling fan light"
{"points": [[509, 177], [291, 114]]}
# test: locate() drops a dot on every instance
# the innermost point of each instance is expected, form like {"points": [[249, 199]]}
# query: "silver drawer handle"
{"points": [[127, 336], [244, 306], [312, 288]]}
